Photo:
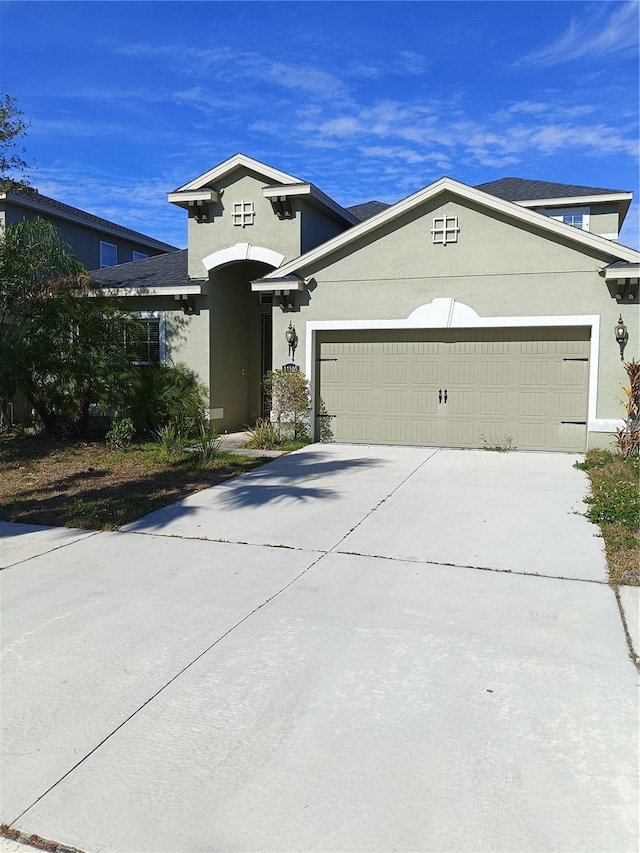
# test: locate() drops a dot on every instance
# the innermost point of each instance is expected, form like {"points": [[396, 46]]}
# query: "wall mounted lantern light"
{"points": [[292, 340], [622, 336]]}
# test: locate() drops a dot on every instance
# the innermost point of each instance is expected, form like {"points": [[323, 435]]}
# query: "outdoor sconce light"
{"points": [[622, 336], [292, 340]]}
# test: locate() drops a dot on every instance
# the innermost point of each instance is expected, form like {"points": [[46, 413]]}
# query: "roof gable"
{"points": [[236, 162], [491, 203]]}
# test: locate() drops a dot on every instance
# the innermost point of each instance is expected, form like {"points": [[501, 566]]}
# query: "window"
{"points": [[139, 256], [578, 217], [445, 229], [146, 344], [108, 255], [243, 213]]}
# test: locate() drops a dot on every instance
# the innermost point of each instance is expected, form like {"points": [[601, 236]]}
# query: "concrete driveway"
{"points": [[351, 648]]}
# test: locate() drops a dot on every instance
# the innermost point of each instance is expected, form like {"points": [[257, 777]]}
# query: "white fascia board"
{"points": [[566, 201], [508, 208], [614, 273], [313, 192], [271, 287], [235, 162], [183, 198], [55, 213], [160, 290]]}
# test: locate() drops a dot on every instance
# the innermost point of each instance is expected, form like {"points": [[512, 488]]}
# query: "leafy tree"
{"points": [[12, 128], [60, 346]]}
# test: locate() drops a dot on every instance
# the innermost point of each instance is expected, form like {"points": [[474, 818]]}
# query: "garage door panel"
{"points": [[394, 401], [425, 372], [503, 384], [424, 402], [494, 372], [493, 402], [394, 372]]}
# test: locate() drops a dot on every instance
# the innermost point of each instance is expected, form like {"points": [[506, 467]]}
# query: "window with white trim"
{"points": [[145, 343], [243, 213], [139, 256], [108, 255], [445, 229], [578, 217]]}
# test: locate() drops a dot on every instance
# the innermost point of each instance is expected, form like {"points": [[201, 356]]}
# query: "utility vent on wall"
{"points": [[445, 230]]}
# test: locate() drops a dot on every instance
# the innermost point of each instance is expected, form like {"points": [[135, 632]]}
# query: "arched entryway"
{"points": [[240, 333]]}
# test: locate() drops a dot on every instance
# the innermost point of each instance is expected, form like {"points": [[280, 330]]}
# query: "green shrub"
{"points": [[166, 395], [207, 443], [120, 435], [262, 436], [171, 440], [290, 403]]}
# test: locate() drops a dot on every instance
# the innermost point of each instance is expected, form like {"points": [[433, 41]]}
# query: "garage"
{"points": [[520, 388]]}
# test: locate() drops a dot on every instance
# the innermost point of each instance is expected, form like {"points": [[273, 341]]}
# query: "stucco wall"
{"points": [[497, 267], [186, 337], [282, 236]]}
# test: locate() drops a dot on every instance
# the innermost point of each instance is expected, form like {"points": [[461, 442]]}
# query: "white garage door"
{"points": [[527, 388]]}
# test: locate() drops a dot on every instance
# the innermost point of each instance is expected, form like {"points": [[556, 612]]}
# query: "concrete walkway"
{"points": [[351, 648]]}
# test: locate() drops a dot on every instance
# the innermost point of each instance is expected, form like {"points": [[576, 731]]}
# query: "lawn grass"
{"points": [[84, 484], [614, 504]]}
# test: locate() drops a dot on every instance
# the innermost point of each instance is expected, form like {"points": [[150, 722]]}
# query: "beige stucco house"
{"points": [[460, 316]]}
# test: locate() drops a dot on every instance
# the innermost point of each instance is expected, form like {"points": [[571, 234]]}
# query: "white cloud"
{"points": [[600, 33], [410, 63], [306, 79]]}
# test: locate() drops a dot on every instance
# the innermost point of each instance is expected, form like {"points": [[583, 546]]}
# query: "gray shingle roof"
{"points": [[522, 189], [169, 269], [96, 221], [367, 209]]}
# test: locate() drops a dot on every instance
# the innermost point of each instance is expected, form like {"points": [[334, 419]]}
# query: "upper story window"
{"points": [[108, 255], [578, 217], [445, 229], [139, 256], [243, 213]]}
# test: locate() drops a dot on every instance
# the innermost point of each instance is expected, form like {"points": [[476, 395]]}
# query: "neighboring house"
{"points": [[95, 242], [456, 317]]}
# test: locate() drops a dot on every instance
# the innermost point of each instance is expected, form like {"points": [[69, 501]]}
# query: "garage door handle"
{"points": [[581, 423], [445, 395], [575, 359], [440, 395]]}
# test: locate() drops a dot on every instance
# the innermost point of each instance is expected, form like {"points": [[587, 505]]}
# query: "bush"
{"points": [[290, 403], [262, 436], [166, 395], [171, 439], [120, 435], [628, 437], [207, 443]]}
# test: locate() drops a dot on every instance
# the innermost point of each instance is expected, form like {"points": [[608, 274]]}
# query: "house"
{"points": [[95, 242], [458, 316]]}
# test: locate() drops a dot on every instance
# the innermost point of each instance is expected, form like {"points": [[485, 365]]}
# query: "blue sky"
{"points": [[368, 100]]}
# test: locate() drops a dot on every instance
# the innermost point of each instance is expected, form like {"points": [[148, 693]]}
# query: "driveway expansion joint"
{"points": [[164, 686], [467, 566], [90, 535]]}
